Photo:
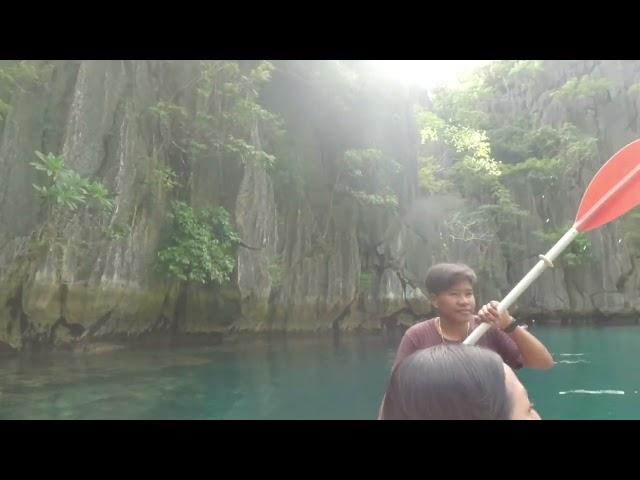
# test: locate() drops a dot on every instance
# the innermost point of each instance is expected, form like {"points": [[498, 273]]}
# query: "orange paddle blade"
{"points": [[613, 191]]}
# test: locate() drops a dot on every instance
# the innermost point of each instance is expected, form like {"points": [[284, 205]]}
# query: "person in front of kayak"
{"points": [[450, 287]]}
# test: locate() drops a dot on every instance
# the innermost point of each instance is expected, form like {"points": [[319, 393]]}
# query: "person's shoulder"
{"points": [[420, 327]]}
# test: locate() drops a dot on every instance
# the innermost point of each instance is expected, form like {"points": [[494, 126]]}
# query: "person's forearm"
{"points": [[534, 353]]}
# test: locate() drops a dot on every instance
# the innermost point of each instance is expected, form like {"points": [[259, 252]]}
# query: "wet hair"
{"points": [[448, 382], [443, 276]]}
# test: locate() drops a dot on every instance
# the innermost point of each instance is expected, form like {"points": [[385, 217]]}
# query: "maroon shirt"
{"points": [[425, 334]]}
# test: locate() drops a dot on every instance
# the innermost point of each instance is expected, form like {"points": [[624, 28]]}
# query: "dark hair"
{"points": [[448, 382], [443, 276]]}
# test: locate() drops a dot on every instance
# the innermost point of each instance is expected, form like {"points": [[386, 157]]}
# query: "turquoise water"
{"points": [[596, 377]]}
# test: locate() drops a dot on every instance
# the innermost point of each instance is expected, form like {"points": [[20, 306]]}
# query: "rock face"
{"points": [[609, 283], [316, 261]]}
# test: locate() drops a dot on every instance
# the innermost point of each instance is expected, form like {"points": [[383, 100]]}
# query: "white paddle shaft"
{"points": [[527, 280]]}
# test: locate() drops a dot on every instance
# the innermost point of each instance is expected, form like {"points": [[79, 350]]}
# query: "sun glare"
{"points": [[426, 73]]}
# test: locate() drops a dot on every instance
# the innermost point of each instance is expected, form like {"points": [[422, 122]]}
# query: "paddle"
{"points": [[613, 191]]}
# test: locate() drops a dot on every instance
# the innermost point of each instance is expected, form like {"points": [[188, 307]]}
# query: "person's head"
{"points": [[450, 288], [455, 382]]}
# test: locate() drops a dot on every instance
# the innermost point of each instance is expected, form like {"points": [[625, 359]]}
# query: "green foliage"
{"points": [[554, 154], [431, 176], [537, 171], [432, 127], [511, 143], [567, 145], [119, 231], [577, 253], [470, 145], [547, 141], [634, 90], [275, 272], [165, 177], [165, 111], [367, 175], [464, 105], [375, 200], [5, 108], [66, 188], [52, 165], [505, 210], [202, 246], [500, 76], [474, 172], [19, 76], [576, 147], [365, 281], [526, 68], [246, 152], [226, 114], [23, 74], [586, 87], [481, 165], [473, 142], [453, 132]]}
